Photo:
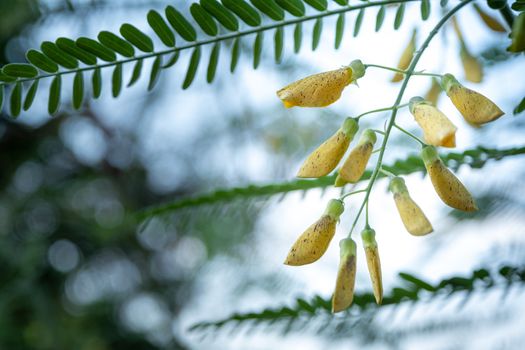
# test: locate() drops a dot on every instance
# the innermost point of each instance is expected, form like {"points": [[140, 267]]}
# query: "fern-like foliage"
{"points": [[211, 23], [474, 158], [412, 288]]}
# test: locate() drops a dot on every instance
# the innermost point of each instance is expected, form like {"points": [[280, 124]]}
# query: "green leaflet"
{"points": [[221, 14], [278, 44], [257, 49], [1, 97], [16, 100], [319, 5], [192, 68], [399, 16], [136, 37], [520, 107], [137, 70], [244, 11], [180, 24], [59, 56], [316, 36], [54, 95], [160, 27], [116, 43], [78, 90], [96, 48], [30, 95], [20, 70], [204, 19], [212, 64], [236, 52], [339, 30], [155, 72], [418, 282], [69, 46], [269, 8], [293, 7], [297, 37], [425, 9], [380, 18], [358, 22], [116, 80], [342, 2], [173, 59], [96, 82], [41, 61]]}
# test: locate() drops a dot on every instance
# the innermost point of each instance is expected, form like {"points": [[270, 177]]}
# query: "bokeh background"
{"points": [[76, 272]]}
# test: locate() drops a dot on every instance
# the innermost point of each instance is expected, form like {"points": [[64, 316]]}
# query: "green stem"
{"points": [[410, 134], [392, 119], [403, 71], [351, 193], [381, 110], [229, 36], [386, 172]]}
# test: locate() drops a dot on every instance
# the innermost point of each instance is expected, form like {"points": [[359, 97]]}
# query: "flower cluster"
{"points": [[322, 89]]}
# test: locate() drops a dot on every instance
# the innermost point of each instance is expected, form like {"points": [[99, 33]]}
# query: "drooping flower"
{"points": [[406, 57], [326, 157], [438, 130], [355, 165], [473, 106], [312, 244], [411, 214], [322, 89], [489, 21], [373, 262], [344, 286], [471, 66], [447, 185], [433, 93]]}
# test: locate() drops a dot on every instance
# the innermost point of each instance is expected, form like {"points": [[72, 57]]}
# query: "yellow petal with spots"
{"points": [[414, 220], [473, 106], [345, 282], [438, 130], [322, 89], [326, 157], [355, 165], [448, 187], [373, 263], [312, 244]]}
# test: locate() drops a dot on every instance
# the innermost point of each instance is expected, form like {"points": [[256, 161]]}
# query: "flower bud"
{"points": [[411, 214], [489, 21], [355, 165], [312, 244], [473, 106], [326, 157], [320, 90], [406, 57], [438, 130], [447, 186], [373, 262], [344, 285], [471, 66], [433, 93]]}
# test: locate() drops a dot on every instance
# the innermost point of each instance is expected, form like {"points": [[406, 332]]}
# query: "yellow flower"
{"points": [[312, 244], [373, 262], [447, 186], [320, 90], [406, 57], [412, 216], [471, 66], [438, 130], [344, 286], [355, 165], [326, 157], [433, 93], [490, 21], [473, 106]]}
